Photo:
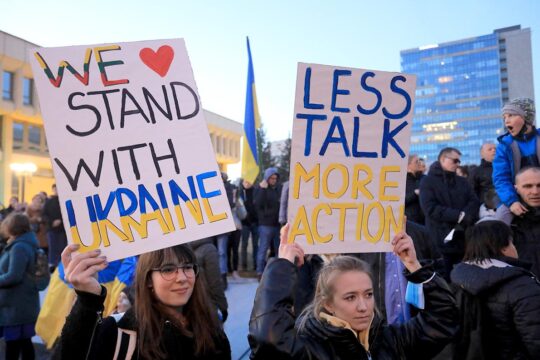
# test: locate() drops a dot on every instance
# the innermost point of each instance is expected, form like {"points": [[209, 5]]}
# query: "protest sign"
{"points": [[131, 153], [350, 144]]}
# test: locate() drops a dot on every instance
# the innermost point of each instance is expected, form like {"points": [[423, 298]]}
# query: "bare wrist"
{"points": [[413, 266]]}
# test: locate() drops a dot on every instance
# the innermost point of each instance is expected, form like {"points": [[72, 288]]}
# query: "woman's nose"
{"points": [[180, 276], [361, 306]]}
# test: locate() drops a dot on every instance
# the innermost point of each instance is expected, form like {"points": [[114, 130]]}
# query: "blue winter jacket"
{"points": [[19, 297], [504, 170]]}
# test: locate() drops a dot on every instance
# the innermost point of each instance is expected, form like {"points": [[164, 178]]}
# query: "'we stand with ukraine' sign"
{"points": [[131, 152]]}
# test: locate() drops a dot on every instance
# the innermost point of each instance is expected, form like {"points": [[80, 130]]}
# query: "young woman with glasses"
{"points": [[171, 317]]}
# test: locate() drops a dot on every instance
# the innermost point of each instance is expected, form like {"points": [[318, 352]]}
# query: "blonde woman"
{"points": [[342, 322]]}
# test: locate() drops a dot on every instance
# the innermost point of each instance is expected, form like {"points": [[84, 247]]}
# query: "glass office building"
{"points": [[461, 87]]}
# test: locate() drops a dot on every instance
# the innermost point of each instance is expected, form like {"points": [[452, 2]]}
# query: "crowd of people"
{"points": [[26, 229], [461, 282]]}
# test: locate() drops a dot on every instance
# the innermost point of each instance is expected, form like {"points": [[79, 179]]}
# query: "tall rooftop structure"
{"points": [[462, 86]]}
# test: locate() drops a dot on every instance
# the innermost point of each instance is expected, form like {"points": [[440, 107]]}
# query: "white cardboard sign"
{"points": [[131, 153], [350, 145]]}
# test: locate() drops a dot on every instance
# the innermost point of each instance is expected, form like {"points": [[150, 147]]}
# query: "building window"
{"points": [[34, 138], [29, 138], [18, 135], [218, 144], [225, 146], [7, 86], [28, 85]]}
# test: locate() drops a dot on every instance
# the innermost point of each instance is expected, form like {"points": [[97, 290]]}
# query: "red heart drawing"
{"points": [[159, 61]]}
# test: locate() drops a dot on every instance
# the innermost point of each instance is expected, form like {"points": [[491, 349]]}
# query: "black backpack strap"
{"points": [[126, 343]]}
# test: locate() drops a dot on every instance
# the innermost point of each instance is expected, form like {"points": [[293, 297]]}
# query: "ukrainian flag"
{"points": [[61, 296], [252, 122]]}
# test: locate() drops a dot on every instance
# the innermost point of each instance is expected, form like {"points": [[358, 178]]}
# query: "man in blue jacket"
{"points": [[518, 148]]}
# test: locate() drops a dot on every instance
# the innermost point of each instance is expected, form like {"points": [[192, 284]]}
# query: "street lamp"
{"points": [[23, 170]]}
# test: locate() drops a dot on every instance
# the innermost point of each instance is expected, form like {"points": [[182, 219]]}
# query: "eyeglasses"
{"points": [[456, 160], [169, 272]]}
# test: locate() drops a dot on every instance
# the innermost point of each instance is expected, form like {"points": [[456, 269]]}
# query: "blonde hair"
{"points": [[324, 290]]}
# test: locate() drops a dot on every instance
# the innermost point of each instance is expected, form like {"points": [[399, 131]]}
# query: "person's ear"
{"points": [[329, 308]]}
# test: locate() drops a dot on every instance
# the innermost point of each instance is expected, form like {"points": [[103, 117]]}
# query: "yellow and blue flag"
{"points": [[61, 296], [252, 122]]}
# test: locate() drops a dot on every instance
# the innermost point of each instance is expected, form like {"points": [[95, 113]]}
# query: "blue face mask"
{"points": [[414, 295]]}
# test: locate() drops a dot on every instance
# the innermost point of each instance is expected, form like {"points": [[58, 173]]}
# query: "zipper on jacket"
{"points": [[99, 320]]}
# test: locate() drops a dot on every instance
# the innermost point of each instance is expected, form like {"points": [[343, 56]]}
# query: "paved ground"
{"points": [[240, 296]]}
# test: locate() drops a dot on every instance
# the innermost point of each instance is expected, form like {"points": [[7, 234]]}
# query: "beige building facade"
{"points": [[25, 165]]}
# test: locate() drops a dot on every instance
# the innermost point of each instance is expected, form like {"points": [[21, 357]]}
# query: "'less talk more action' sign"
{"points": [[350, 146]]}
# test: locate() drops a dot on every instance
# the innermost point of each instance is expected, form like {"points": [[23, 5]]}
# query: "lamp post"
{"points": [[23, 170]]}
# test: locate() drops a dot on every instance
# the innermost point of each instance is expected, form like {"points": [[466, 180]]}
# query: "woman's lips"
{"points": [[180, 291]]}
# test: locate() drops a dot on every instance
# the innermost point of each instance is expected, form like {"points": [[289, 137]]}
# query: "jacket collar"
{"points": [[362, 336], [27, 238], [437, 170], [484, 163], [128, 321]]}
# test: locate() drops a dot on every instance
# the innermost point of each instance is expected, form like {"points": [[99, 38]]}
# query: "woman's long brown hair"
{"points": [[202, 323]]}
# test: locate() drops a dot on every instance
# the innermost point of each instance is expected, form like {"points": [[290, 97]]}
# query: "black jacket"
{"points": [[273, 335], [526, 231], [208, 260], [51, 212], [481, 179], [247, 197], [443, 195], [85, 323], [266, 203], [511, 296], [308, 274], [412, 201]]}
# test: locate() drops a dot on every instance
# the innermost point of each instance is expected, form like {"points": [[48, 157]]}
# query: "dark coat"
{"points": [[443, 195], [481, 179], [308, 274], [51, 212], [85, 323], [247, 197], [208, 261], [229, 190], [267, 201], [273, 335], [19, 296], [526, 231], [511, 296], [412, 201]]}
